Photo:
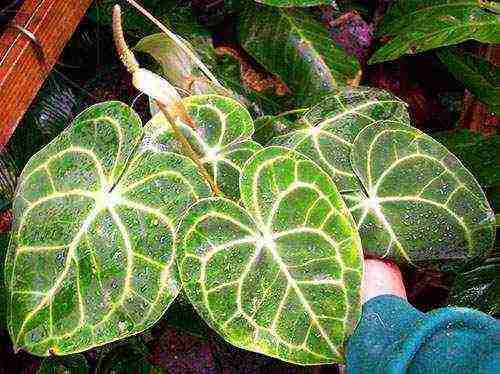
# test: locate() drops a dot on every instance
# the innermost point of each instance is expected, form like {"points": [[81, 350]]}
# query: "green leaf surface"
{"points": [[416, 26], [333, 124], [282, 275], [222, 137], [477, 74], [413, 200], [127, 356], [478, 288], [294, 3], [421, 205], [292, 45], [479, 153], [269, 127], [135, 24], [91, 258], [4, 244], [74, 364]]}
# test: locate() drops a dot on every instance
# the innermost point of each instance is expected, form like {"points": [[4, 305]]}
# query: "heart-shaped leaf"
{"points": [[360, 131], [417, 25], [477, 74], [282, 275], [294, 46], [91, 258], [421, 205], [222, 137], [333, 124]]}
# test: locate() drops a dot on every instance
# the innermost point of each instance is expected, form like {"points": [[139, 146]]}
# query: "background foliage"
{"points": [[279, 57]]}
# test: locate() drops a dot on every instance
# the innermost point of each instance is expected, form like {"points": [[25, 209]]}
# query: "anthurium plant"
{"points": [[114, 219]]}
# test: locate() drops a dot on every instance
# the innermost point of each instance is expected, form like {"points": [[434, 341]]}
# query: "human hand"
{"points": [[381, 278]]}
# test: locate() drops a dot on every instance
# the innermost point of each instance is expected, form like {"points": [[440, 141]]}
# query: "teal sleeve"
{"points": [[394, 337]]}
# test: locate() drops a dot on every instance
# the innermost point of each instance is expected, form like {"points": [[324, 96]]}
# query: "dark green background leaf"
{"points": [[292, 45], [4, 244], [479, 154], [479, 288], [477, 74], [268, 127], [73, 364], [419, 25]]}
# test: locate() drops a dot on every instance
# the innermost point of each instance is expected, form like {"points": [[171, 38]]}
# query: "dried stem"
{"points": [[126, 55], [171, 111]]}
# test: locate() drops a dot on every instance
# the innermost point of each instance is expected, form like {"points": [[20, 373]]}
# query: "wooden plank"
{"points": [[23, 65]]}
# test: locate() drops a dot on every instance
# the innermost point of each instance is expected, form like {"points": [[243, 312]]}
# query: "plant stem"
{"points": [[300, 110], [167, 106], [187, 148]]}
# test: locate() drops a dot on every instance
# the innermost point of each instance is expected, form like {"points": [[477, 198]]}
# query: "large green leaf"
{"points": [[91, 258], [477, 74], [292, 45], [282, 275], [334, 122], [421, 205], [419, 25], [222, 138], [413, 200]]}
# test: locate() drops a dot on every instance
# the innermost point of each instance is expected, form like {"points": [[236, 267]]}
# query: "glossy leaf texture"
{"points": [[478, 288], [91, 258], [222, 137], [297, 48], [332, 125], [269, 127], [413, 200], [422, 206], [477, 74], [294, 3], [479, 154], [282, 274], [415, 26]]}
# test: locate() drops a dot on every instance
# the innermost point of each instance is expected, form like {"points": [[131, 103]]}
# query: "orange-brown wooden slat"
{"points": [[23, 69]]}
